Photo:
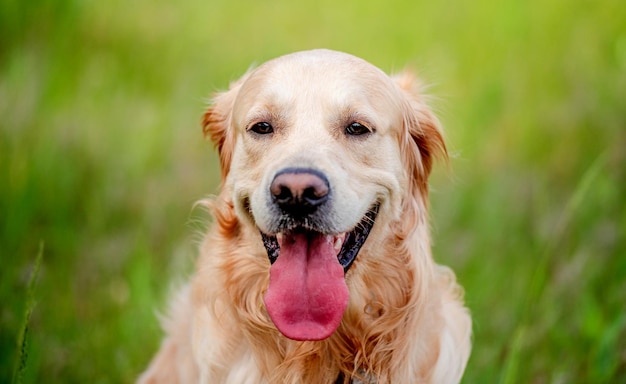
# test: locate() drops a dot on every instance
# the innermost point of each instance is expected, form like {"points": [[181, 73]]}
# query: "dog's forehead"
{"points": [[320, 63], [320, 75]]}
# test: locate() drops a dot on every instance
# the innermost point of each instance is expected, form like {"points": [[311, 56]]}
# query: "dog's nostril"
{"points": [[314, 196], [284, 195], [299, 191]]}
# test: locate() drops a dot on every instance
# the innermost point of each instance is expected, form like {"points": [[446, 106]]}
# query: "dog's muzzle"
{"points": [[301, 196], [307, 293]]}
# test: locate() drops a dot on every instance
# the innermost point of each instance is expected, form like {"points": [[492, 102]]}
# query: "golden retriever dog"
{"points": [[317, 267]]}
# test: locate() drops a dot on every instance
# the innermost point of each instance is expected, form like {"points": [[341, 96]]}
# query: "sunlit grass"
{"points": [[102, 158]]}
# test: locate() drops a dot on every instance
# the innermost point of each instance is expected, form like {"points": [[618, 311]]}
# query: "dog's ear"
{"points": [[422, 139], [216, 124]]}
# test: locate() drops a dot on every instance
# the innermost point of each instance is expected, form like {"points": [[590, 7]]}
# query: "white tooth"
{"points": [[279, 238], [338, 243]]}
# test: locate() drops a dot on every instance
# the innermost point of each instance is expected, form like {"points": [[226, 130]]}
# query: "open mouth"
{"points": [[346, 244], [307, 293]]}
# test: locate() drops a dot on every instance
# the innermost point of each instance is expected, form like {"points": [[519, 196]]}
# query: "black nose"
{"points": [[299, 191]]}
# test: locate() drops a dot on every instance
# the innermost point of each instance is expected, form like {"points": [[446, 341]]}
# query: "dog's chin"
{"points": [[307, 292], [346, 244]]}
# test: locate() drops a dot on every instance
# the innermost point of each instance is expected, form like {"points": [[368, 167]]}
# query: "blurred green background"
{"points": [[102, 158]]}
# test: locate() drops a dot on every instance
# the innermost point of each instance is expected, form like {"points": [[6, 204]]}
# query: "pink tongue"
{"points": [[307, 293]]}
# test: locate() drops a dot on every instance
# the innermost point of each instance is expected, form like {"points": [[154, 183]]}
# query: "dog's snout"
{"points": [[299, 191]]}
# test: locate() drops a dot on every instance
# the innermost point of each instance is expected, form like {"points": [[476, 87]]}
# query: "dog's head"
{"points": [[318, 149]]}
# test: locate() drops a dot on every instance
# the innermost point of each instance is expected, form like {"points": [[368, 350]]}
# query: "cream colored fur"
{"points": [[405, 322]]}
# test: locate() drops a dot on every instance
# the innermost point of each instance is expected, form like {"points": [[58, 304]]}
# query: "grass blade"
{"points": [[22, 339]]}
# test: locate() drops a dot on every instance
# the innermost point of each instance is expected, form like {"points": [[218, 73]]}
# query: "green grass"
{"points": [[102, 158], [22, 340]]}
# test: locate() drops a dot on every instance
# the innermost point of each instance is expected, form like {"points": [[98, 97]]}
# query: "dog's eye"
{"points": [[262, 128], [357, 129]]}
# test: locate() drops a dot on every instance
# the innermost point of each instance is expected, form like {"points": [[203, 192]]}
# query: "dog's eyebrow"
{"points": [[351, 115], [266, 113]]}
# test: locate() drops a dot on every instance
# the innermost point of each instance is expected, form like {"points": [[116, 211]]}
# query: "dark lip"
{"points": [[349, 250]]}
